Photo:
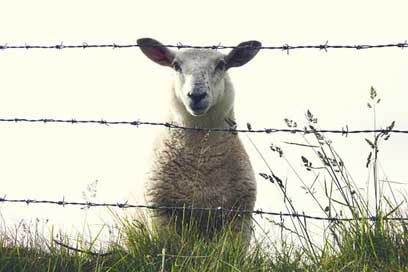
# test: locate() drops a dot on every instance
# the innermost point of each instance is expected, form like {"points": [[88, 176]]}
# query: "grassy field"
{"points": [[361, 244], [358, 246]]}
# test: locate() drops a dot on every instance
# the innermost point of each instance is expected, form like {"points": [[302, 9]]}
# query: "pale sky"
{"points": [[53, 161]]}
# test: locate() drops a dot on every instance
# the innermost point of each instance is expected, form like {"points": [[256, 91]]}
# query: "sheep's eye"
{"points": [[220, 66], [176, 67]]}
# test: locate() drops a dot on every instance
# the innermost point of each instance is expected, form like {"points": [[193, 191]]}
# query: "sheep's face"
{"points": [[199, 74], [199, 79]]}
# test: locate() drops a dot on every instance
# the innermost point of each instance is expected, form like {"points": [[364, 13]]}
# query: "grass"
{"points": [[143, 248], [357, 245]]}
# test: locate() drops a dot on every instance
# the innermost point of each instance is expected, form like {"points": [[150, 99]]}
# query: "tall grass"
{"points": [[362, 244]]}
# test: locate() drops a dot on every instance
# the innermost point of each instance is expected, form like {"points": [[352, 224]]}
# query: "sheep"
{"points": [[201, 169]]}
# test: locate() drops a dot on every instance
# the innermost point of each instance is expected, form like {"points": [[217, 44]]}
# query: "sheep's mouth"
{"points": [[198, 110]]}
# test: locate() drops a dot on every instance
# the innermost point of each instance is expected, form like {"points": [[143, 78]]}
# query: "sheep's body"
{"points": [[205, 170], [198, 168]]}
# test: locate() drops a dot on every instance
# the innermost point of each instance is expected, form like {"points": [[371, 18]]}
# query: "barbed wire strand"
{"points": [[285, 47], [344, 131], [126, 205]]}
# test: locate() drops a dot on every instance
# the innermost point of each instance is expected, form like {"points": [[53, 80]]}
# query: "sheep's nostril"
{"points": [[197, 97]]}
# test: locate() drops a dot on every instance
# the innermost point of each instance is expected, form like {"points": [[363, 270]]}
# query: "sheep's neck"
{"points": [[207, 121], [201, 144]]}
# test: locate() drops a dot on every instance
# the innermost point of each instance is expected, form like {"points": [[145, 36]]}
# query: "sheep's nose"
{"points": [[197, 97]]}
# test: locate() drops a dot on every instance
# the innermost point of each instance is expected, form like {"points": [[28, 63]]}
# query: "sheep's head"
{"points": [[199, 74]]}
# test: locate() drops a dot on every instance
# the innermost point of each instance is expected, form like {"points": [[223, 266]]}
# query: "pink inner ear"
{"points": [[158, 55]]}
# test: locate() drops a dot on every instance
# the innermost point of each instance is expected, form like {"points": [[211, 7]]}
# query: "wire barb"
{"points": [[403, 45], [286, 48], [179, 45], [60, 46], [324, 46]]}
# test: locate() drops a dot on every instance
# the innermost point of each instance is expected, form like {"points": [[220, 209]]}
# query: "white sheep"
{"points": [[200, 168]]}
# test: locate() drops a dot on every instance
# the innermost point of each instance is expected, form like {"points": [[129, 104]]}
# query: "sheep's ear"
{"points": [[156, 51], [243, 53]]}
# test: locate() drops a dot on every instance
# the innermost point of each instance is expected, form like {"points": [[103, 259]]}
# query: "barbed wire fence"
{"points": [[285, 47], [125, 205], [306, 130], [344, 131]]}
